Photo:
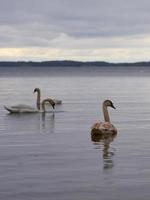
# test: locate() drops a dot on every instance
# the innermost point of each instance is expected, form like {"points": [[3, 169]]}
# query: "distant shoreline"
{"points": [[67, 63]]}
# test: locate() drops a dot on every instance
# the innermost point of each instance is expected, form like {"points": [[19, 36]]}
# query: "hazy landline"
{"points": [[67, 63]]}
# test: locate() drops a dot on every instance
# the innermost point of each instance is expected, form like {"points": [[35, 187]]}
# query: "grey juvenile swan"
{"points": [[39, 98], [105, 127], [28, 109]]}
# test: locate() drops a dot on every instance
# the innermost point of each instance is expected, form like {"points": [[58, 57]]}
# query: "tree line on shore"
{"points": [[67, 63]]}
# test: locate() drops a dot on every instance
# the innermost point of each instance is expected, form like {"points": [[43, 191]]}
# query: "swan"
{"points": [[104, 128], [39, 98], [23, 106], [28, 109], [51, 101]]}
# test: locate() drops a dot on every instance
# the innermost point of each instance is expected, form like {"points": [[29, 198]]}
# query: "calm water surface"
{"points": [[51, 155]]}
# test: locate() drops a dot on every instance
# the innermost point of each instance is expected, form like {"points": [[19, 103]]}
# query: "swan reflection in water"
{"points": [[105, 141], [47, 122]]}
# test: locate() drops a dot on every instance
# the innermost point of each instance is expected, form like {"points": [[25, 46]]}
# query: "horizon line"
{"points": [[76, 61]]}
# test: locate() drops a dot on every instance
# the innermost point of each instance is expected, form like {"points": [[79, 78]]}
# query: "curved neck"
{"points": [[49, 101], [43, 106], [38, 99], [105, 112]]}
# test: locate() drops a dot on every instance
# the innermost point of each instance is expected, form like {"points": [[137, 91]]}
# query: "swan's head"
{"points": [[52, 103], [36, 90], [109, 103]]}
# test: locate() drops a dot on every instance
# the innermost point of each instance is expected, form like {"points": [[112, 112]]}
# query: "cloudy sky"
{"points": [[86, 30]]}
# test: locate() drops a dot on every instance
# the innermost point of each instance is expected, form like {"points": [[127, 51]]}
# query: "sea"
{"points": [[51, 155]]}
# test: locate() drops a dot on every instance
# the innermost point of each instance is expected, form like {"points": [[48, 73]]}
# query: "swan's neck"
{"points": [[38, 100], [106, 114], [43, 106], [49, 101]]}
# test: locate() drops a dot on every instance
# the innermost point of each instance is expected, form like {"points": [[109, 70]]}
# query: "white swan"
{"points": [[28, 109], [23, 106], [104, 127], [39, 98]]}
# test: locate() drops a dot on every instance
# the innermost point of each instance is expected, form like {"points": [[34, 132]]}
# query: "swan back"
{"points": [[104, 128], [20, 109]]}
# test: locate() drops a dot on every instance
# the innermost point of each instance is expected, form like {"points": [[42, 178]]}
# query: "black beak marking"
{"points": [[113, 106], [53, 105]]}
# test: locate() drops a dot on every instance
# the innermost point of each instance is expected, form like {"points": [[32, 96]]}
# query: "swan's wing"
{"points": [[20, 109], [21, 106], [104, 127], [107, 126], [97, 125], [56, 101]]}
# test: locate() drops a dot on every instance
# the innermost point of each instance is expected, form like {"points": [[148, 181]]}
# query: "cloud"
{"points": [[75, 25], [108, 54]]}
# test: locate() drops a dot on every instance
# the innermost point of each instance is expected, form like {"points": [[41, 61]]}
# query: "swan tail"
{"points": [[8, 109]]}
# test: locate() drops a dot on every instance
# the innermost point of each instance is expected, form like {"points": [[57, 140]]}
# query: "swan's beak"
{"points": [[113, 106], [34, 91]]}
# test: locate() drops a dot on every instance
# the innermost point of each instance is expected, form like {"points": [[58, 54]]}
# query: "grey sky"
{"points": [[76, 25]]}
